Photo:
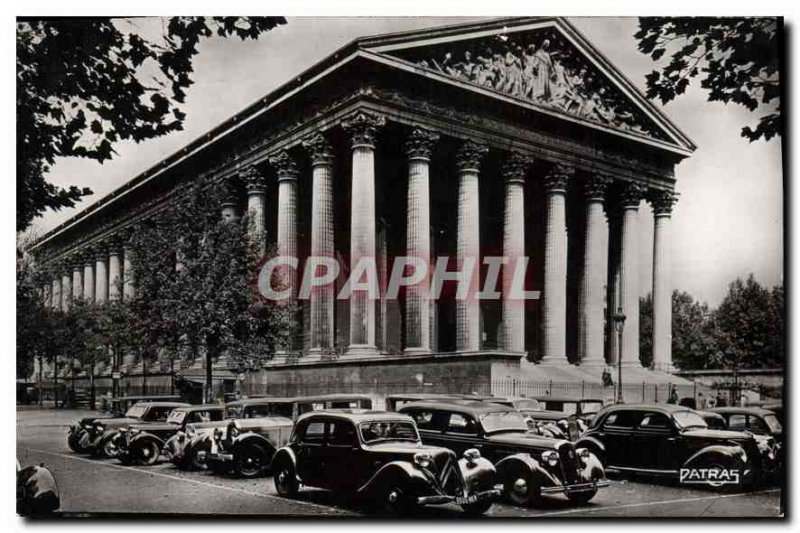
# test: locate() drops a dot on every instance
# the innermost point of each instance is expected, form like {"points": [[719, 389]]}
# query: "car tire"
{"points": [[251, 461], [477, 509], [582, 498], [398, 500], [738, 487], [147, 453], [286, 484], [109, 449], [520, 488], [194, 461]]}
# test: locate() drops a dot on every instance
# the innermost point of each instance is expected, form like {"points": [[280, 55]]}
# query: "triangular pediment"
{"points": [[541, 62]]}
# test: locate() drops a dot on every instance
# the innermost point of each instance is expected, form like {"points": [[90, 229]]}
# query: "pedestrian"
{"points": [[673, 395], [721, 400], [701, 401], [608, 381]]}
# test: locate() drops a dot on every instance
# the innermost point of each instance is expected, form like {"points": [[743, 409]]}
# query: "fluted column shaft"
{"points": [[418, 239], [629, 274], [322, 297], [592, 295], [363, 129], [256, 208], [114, 274], [468, 310], [56, 302], [554, 349], [513, 172], [88, 280], [101, 278], [128, 288], [77, 281], [66, 290], [662, 282], [287, 215]]}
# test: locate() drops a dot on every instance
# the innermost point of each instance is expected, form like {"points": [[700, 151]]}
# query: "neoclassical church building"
{"points": [[510, 137]]}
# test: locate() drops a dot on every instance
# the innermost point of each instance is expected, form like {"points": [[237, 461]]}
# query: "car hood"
{"points": [[717, 434], [156, 426], [209, 425], [89, 420], [118, 422], [522, 439], [400, 447], [267, 421]]}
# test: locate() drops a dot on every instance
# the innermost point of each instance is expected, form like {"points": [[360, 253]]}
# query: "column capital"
{"points": [[662, 201], [419, 143], [515, 167], [101, 251], [557, 177], [319, 149], [86, 256], [253, 180], [115, 243], [470, 155], [76, 262], [631, 194], [285, 166], [595, 186], [363, 127]]}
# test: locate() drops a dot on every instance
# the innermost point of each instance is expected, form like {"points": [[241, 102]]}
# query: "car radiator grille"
{"points": [[569, 463]]}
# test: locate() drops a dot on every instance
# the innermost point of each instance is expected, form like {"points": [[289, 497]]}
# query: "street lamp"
{"points": [[619, 324]]}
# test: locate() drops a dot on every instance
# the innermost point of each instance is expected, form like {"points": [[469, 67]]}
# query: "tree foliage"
{"points": [[84, 84], [736, 58]]}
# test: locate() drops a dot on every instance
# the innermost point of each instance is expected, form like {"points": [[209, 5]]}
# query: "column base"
{"points": [[361, 350], [416, 351], [594, 361], [665, 367], [555, 360]]}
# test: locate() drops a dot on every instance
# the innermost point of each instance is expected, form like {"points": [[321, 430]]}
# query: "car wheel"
{"points": [[478, 508], [723, 487], [147, 453], [285, 482], [194, 458], [398, 500], [251, 461], [110, 448], [520, 488]]}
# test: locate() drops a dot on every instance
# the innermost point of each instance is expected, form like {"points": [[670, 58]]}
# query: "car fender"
{"points": [[480, 473], [283, 457], [592, 466], [593, 444], [100, 441], [394, 473], [716, 452], [145, 437], [513, 464], [247, 439], [37, 491]]}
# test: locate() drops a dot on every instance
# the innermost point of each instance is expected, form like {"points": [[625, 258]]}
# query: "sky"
{"points": [[728, 221]]}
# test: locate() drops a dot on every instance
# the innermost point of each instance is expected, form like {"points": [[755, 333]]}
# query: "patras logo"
{"points": [[714, 476]]}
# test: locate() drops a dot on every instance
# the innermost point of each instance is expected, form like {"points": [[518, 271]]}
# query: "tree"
{"points": [[646, 331], [737, 59], [195, 276], [84, 84], [749, 325]]}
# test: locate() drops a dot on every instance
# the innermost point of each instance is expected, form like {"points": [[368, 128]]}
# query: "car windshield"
{"points": [[689, 419], [772, 422], [136, 411], [234, 411], [378, 431], [504, 421], [176, 417], [528, 405]]}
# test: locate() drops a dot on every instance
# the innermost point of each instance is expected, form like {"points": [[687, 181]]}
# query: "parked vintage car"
{"points": [[183, 447], [115, 408], [713, 420], [396, 401], [756, 420], [143, 443], [584, 408], [380, 455], [37, 491], [662, 439], [529, 466], [246, 446], [98, 438]]}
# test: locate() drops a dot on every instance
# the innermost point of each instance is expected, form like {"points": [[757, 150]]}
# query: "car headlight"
{"points": [[190, 431], [99, 427], [135, 431], [584, 454], [181, 436], [123, 430], [234, 431], [472, 455], [550, 457], [217, 434], [422, 460]]}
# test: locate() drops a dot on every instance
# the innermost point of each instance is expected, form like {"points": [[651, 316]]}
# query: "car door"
{"points": [[653, 443], [342, 456], [310, 440], [615, 433]]}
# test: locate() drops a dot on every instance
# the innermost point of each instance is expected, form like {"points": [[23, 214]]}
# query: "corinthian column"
{"points": [[77, 279], [555, 267], [101, 276], [363, 128], [418, 238], [66, 287], [662, 202], [468, 310], [128, 288], [228, 208], [513, 173], [287, 214], [592, 295], [56, 290], [114, 270], [322, 298], [256, 207], [629, 273], [88, 277]]}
